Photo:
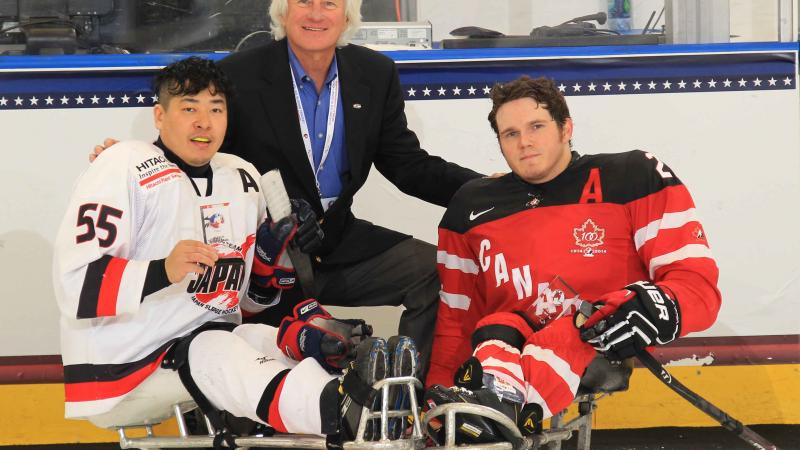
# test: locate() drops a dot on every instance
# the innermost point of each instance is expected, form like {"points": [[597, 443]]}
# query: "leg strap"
{"points": [[330, 412], [177, 358]]}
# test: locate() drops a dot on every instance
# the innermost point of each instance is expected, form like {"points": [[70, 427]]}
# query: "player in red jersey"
{"points": [[620, 229]]}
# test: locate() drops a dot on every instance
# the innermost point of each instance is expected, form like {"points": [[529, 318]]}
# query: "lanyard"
{"points": [[332, 104]]}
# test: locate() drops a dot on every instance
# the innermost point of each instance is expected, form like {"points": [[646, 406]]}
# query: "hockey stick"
{"points": [[586, 309], [741, 430], [278, 204]]}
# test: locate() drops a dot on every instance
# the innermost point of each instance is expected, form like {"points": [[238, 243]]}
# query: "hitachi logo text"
{"points": [[148, 163]]}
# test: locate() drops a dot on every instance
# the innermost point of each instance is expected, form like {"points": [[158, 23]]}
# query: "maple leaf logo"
{"points": [[588, 235]]}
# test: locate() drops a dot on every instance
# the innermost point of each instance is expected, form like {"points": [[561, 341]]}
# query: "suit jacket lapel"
{"points": [[355, 104], [280, 106]]}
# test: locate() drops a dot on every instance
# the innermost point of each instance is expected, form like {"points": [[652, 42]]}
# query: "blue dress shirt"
{"points": [[316, 107]]}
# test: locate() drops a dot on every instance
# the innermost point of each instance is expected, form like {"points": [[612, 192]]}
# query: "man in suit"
{"points": [[324, 112]]}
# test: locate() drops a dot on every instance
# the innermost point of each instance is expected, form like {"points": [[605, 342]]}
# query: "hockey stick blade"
{"points": [[728, 422], [279, 206]]}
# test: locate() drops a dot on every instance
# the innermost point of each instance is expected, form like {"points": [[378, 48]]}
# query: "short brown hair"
{"points": [[542, 90]]}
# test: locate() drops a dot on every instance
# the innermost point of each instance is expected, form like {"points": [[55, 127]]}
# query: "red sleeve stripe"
{"points": [[685, 252], [454, 262], [109, 289], [101, 390], [653, 206], [456, 301], [98, 297], [666, 222]]}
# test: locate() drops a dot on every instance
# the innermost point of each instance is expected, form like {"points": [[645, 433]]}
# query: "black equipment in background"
{"points": [[127, 26], [574, 32]]}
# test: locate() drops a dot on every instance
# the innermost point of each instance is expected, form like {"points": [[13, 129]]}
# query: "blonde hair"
{"points": [[352, 14]]}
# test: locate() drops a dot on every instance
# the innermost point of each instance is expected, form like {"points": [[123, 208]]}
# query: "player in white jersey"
{"points": [[151, 266]]}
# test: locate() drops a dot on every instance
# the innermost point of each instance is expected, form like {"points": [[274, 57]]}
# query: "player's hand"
{"points": [[189, 257], [629, 320], [272, 268], [312, 333], [108, 142], [309, 233]]}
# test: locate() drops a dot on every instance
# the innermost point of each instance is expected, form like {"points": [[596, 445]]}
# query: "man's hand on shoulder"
{"points": [[108, 142], [187, 257]]}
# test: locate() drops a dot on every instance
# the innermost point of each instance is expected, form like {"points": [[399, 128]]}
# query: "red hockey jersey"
{"points": [[606, 221]]}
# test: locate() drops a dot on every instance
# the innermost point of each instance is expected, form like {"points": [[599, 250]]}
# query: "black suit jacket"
{"points": [[264, 129]]}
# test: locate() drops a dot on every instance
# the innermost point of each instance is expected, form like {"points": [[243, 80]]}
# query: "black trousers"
{"points": [[405, 274]]}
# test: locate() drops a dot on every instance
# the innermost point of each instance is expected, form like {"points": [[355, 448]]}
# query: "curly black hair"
{"points": [[189, 77], [542, 90]]}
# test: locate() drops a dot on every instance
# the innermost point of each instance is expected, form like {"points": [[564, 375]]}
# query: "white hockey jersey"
{"points": [[130, 207]]}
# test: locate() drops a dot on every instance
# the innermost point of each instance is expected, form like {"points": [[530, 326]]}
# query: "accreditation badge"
{"points": [[216, 223]]}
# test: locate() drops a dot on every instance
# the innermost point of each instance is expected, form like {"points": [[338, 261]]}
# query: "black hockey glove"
{"points": [[309, 233], [272, 268], [312, 333], [629, 320]]}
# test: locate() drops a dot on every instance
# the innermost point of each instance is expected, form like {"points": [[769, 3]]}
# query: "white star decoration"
{"points": [[34, 101]]}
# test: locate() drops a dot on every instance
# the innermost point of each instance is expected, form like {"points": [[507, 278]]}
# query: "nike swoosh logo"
{"points": [[473, 215]]}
